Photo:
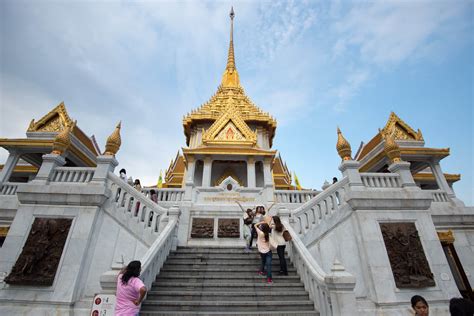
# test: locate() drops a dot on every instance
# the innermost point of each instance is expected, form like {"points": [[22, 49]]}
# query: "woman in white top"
{"points": [[263, 245], [277, 235]]}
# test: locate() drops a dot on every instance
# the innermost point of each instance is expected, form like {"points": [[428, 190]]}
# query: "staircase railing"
{"points": [[156, 255], [294, 196], [153, 259], [319, 208], [129, 202]]}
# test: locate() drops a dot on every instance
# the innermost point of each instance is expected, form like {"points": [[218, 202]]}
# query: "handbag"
{"points": [[273, 243], [287, 236]]}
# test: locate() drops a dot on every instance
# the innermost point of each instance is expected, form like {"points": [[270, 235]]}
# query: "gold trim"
{"points": [[23, 169], [430, 177], [49, 123], [446, 237], [401, 130], [4, 231], [228, 151], [228, 173]]}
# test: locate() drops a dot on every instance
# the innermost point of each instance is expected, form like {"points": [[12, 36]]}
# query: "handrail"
{"points": [[156, 255], [8, 188], [320, 207], [129, 201], [312, 275]]}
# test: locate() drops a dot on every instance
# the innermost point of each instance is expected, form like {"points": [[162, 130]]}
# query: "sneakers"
{"points": [[261, 272], [269, 281]]}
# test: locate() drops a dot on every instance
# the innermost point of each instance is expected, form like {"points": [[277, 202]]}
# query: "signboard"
{"points": [[103, 305]]}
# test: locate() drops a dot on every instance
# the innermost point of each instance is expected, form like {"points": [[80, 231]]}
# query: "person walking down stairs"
{"points": [[263, 245]]}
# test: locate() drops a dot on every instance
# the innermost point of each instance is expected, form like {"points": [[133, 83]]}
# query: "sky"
{"points": [[313, 65]]}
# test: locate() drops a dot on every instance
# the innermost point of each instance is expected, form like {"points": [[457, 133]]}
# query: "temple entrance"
{"points": [[221, 169]]}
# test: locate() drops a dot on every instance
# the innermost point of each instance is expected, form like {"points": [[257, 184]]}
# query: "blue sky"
{"points": [[312, 65]]}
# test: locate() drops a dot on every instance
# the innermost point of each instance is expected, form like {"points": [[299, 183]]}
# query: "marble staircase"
{"points": [[224, 281]]}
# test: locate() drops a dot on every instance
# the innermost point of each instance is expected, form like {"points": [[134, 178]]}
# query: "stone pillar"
{"points": [[189, 181], [251, 177], [284, 214], [206, 174], [105, 164], [440, 178], [403, 170], [50, 162], [9, 165], [341, 286], [350, 169], [268, 179]]}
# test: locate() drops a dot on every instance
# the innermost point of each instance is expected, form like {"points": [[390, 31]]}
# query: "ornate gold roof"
{"points": [[55, 121], [230, 94], [400, 130]]}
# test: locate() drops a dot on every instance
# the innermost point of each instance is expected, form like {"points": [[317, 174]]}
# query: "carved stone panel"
{"points": [[202, 228], [407, 257], [39, 259], [228, 228]]}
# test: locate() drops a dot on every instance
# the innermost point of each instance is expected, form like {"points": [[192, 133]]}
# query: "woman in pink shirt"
{"points": [[130, 290], [263, 245]]}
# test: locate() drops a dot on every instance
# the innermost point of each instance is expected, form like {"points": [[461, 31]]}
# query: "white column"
{"points": [[206, 175], [268, 180], [189, 182], [105, 164], [440, 178], [9, 165], [251, 178], [50, 162]]}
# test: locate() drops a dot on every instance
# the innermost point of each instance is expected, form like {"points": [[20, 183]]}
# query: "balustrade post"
{"points": [[50, 163], [173, 214], [341, 286], [350, 169], [284, 214], [9, 165], [105, 164], [402, 168]]}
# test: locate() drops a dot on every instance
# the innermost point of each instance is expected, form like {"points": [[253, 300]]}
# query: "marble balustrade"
{"points": [[73, 174]]}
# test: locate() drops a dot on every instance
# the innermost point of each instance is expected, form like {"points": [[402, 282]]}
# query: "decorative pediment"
{"points": [[226, 175], [55, 121], [402, 131], [230, 128]]}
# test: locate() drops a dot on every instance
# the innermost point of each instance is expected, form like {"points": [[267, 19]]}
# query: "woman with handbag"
{"points": [[277, 234]]}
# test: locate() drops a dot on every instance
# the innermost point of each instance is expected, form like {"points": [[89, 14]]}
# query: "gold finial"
{"points": [[391, 148], [113, 141], [231, 76], [62, 141], [343, 147]]}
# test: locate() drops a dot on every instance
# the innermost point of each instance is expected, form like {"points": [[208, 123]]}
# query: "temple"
{"points": [[391, 227]]}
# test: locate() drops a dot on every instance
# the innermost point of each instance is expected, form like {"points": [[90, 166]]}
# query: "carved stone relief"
{"points": [[407, 257], [228, 228], [202, 228], [39, 259]]}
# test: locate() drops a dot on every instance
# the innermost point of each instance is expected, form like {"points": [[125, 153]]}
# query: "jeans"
{"points": [[281, 258], [266, 263]]}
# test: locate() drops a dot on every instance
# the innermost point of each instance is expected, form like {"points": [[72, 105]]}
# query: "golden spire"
{"points": [[62, 141], [231, 76], [343, 147], [114, 141], [391, 148]]}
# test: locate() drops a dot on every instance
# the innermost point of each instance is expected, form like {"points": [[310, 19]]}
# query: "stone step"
{"points": [[228, 256], [232, 275], [220, 262], [219, 269], [261, 295], [216, 285], [204, 277], [235, 306], [228, 313]]}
